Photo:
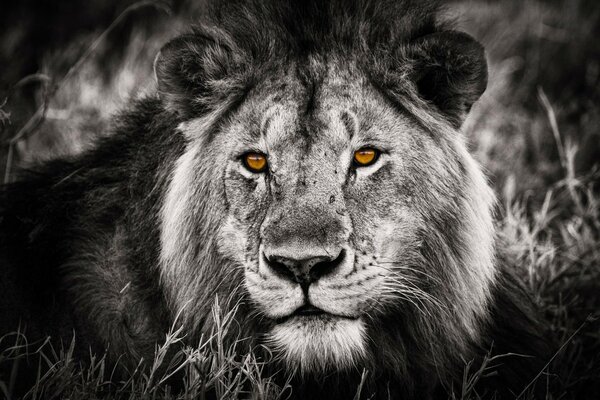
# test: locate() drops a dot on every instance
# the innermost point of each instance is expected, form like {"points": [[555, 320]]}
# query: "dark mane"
{"points": [[316, 26]]}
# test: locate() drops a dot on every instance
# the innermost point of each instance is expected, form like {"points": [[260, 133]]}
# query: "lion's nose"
{"points": [[304, 270]]}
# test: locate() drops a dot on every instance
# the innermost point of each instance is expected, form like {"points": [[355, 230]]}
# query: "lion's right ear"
{"points": [[449, 69], [197, 72]]}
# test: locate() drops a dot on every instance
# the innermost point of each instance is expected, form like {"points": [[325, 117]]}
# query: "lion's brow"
{"points": [[349, 122], [264, 126]]}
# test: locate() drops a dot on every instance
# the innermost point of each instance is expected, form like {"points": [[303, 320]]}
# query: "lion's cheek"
{"points": [[232, 241], [275, 299], [349, 297]]}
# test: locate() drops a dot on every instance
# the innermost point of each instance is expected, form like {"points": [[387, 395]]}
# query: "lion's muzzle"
{"points": [[306, 268]]}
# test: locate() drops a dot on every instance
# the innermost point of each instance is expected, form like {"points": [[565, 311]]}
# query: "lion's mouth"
{"points": [[308, 311]]}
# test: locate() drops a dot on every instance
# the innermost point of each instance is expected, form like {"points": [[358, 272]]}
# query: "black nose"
{"points": [[304, 271]]}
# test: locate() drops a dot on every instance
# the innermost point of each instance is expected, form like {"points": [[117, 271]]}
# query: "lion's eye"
{"points": [[255, 162], [365, 156]]}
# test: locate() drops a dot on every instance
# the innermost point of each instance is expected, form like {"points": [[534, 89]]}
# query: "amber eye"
{"points": [[255, 162], [365, 156]]}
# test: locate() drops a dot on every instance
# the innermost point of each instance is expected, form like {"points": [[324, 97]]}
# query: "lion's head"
{"points": [[325, 184]]}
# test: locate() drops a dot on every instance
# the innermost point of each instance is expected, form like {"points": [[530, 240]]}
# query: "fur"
{"points": [[161, 218]]}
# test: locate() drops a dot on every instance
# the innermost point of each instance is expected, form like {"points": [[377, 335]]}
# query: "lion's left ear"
{"points": [[449, 70]]}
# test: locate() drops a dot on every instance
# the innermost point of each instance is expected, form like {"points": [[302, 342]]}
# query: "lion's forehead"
{"points": [[329, 115]]}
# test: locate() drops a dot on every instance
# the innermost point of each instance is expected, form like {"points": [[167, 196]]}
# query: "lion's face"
{"points": [[327, 245], [335, 262]]}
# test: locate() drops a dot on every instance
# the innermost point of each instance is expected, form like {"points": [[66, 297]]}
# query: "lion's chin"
{"points": [[314, 344]]}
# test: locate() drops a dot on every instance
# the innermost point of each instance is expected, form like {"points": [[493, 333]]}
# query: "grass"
{"points": [[536, 132], [210, 368]]}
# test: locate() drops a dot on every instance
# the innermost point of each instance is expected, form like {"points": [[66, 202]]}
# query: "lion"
{"points": [[303, 160]]}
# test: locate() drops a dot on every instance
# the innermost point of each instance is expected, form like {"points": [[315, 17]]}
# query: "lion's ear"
{"points": [[449, 70], [196, 73]]}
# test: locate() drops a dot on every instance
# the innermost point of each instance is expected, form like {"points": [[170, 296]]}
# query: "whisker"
{"points": [[413, 300], [398, 265], [408, 288]]}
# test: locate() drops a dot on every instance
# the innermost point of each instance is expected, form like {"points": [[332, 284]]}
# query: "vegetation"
{"points": [[536, 131]]}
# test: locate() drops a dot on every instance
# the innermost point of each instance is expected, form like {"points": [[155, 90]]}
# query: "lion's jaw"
{"points": [[319, 343]]}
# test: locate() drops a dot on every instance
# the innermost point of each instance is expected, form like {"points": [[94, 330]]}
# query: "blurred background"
{"points": [[67, 66]]}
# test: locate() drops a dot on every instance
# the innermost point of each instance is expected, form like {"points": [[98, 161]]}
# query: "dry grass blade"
{"points": [[554, 125]]}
